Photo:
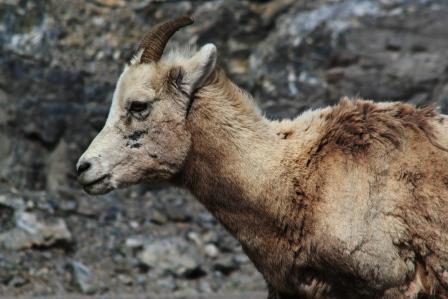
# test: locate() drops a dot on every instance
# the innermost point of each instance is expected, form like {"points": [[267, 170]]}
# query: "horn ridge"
{"points": [[154, 41]]}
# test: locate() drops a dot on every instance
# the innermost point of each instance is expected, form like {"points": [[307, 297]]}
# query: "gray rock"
{"points": [[18, 281], [136, 242], [157, 217], [226, 265], [167, 283], [211, 250], [30, 229], [82, 277], [171, 255], [125, 279]]}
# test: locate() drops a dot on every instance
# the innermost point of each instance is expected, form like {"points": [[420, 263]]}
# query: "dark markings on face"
{"points": [[132, 139], [133, 144], [136, 135]]}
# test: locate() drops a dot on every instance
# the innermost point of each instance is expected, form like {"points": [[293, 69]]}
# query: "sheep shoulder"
{"points": [[373, 180]]}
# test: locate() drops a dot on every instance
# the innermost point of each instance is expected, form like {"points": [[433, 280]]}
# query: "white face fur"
{"points": [[145, 137]]}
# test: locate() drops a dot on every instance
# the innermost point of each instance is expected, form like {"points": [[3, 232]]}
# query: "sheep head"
{"points": [[145, 137]]}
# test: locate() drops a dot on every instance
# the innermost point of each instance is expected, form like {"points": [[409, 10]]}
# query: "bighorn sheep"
{"points": [[350, 201]]}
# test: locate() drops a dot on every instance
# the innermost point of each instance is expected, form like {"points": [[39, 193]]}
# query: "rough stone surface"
{"points": [[29, 229], [82, 277], [173, 255], [59, 61]]}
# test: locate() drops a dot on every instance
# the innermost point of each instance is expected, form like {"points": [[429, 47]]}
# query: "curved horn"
{"points": [[155, 40]]}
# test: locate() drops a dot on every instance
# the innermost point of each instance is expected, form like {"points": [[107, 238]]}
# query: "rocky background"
{"points": [[59, 60]]}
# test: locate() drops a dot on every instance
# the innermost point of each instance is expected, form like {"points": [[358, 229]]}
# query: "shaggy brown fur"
{"points": [[355, 125]]}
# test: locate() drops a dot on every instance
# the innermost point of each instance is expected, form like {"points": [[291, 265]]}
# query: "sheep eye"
{"points": [[137, 106], [139, 110]]}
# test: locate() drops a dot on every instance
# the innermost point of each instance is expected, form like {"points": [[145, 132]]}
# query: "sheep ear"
{"points": [[199, 67]]}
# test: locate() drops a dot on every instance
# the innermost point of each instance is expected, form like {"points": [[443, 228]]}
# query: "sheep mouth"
{"points": [[96, 181], [98, 186]]}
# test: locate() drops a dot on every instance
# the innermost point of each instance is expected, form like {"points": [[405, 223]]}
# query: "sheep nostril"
{"points": [[83, 167]]}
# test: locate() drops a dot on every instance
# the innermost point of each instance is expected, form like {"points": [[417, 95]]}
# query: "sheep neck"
{"points": [[233, 167]]}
